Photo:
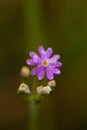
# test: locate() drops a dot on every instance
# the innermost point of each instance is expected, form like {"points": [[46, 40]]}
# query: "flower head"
{"points": [[44, 63]]}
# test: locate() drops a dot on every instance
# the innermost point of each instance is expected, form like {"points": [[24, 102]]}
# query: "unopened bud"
{"points": [[25, 72], [46, 90], [39, 89], [52, 83], [24, 88]]}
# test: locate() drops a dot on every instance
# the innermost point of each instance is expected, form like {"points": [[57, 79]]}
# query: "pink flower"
{"points": [[44, 63]]}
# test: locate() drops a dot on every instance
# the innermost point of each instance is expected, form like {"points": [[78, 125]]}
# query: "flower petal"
{"points": [[49, 73], [49, 52], [57, 64], [35, 70], [56, 71], [30, 62], [41, 51], [34, 56], [41, 74], [54, 58]]}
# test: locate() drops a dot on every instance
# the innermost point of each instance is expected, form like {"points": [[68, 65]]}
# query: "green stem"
{"points": [[33, 107], [34, 116]]}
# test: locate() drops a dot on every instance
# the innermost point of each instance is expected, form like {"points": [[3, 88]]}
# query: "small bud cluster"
{"points": [[46, 90], [41, 91]]}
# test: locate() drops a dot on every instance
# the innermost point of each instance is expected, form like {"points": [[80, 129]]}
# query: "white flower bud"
{"points": [[52, 83], [39, 89], [24, 88], [46, 90], [25, 72]]}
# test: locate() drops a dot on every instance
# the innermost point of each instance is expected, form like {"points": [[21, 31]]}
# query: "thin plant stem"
{"points": [[33, 108], [34, 111]]}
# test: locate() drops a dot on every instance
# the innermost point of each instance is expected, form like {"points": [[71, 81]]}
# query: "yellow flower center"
{"points": [[45, 63]]}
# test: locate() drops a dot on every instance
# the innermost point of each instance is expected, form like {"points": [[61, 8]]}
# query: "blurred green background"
{"points": [[61, 24]]}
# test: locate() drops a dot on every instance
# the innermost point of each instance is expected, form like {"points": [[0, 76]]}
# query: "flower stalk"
{"points": [[45, 67], [33, 108], [34, 113]]}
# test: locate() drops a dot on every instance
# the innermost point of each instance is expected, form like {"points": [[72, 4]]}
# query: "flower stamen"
{"points": [[45, 63]]}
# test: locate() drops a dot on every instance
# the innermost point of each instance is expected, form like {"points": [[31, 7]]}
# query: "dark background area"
{"points": [[61, 25]]}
